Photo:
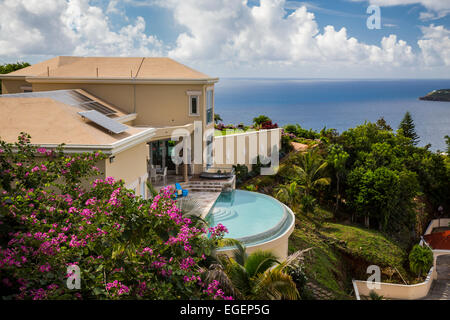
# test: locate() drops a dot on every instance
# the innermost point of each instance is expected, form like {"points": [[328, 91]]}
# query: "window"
{"points": [[193, 105], [194, 102], [209, 106]]}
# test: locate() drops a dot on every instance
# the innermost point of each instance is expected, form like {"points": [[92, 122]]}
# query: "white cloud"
{"points": [[435, 5], [265, 35], [221, 36], [72, 27], [435, 45], [436, 9]]}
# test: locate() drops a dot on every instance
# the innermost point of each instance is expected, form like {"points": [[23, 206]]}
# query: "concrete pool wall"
{"points": [[278, 245]]}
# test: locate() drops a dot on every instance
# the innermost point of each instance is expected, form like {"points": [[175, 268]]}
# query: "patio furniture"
{"points": [[184, 192], [153, 174], [163, 174]]}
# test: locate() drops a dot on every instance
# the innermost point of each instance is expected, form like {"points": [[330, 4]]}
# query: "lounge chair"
{"points": [[184, 192]]}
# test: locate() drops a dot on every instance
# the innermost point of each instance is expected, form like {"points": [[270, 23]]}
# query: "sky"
{"points": [[240, 38]]}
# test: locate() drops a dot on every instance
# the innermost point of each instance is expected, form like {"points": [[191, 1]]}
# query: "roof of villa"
{"points": [[104, 68], [51, 121]]}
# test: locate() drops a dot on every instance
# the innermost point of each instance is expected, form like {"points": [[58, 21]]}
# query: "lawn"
{"points": [[230, 131], [342, 252]]}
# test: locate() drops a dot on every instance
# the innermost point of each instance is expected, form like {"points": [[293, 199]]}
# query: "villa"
{"points": [[138, 111], [148, 98]]}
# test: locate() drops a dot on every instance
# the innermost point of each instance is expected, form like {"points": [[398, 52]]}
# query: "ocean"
{"points": [[339, 104]]}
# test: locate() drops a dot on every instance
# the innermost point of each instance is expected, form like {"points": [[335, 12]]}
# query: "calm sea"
{"points": [[339, 104]]}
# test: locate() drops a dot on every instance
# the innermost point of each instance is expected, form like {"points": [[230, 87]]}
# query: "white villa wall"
{"points": [[242, 148]]}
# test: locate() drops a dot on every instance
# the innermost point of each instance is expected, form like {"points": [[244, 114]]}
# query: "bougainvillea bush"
{"points": [[125, 247]]}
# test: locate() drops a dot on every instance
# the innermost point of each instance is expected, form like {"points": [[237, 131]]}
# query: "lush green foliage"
{"points": [[258, 275], [288, 193], [408, 129], [300, 132], [217, 118], [125, 246], [420, 260], [257, 121], [385, 174]]}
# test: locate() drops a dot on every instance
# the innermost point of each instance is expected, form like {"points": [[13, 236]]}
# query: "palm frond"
{"points": [[259, 261], [239, 253], [217, 272], [275, 285]]}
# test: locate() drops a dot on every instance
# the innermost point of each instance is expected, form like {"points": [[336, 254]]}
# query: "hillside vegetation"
{"points": [[437, 95], [360, 198]]}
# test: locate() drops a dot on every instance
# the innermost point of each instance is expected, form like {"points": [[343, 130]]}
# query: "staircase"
{"points": [[222, 214], [209, 186]]}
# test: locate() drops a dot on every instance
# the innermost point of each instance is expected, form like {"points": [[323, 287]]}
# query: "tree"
{"points": [[217, 118], [408, 129], [337, 157], [420, 259], [447, 142], [310, 172], [259, 275], [10, 67], [257, 121], [383, 125], [309, 203], [288, 193], [383, 194]]}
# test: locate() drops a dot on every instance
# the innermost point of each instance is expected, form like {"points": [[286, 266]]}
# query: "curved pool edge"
{"points": [[278, 245]]}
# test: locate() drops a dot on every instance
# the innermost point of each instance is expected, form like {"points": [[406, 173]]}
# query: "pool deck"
{"points": [[205, 201]]}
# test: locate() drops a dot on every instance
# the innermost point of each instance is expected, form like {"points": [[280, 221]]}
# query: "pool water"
{"points": [[249, 216]]}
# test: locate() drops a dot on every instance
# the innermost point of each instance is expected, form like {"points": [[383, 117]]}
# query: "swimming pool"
{"points": [[253, 218]]}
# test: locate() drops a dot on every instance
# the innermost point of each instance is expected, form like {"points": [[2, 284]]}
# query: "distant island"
{"points": [[437, 95]]}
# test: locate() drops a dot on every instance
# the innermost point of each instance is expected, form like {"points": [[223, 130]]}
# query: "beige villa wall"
{"points": [[119, 95], [130, 166], [166, 105], [156, 105], [13, 86]]}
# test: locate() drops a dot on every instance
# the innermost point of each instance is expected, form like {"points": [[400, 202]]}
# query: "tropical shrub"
{"points": [[300, 132], [258, 275], [420, 260], [124, 246], [268, 125], [257, 121]]}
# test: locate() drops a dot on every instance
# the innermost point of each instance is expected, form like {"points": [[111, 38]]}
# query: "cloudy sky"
{"points": [[239, 38]]}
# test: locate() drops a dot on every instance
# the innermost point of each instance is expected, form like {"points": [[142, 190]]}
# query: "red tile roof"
{"points": [[438, 240]]}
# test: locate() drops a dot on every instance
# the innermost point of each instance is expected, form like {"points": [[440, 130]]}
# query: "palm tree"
{"points": [[217, 118], [288, 193], [311, 172], [258, 275], [338, 157]]}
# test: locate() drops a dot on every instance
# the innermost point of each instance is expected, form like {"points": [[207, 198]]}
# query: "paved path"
{"points": [[440, 289]]}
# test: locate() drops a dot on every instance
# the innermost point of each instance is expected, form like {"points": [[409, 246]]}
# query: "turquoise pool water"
{"points": [[249, 216]]}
